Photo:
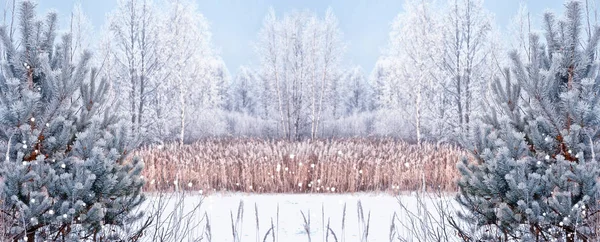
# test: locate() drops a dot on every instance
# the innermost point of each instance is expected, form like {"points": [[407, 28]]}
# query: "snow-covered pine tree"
{"points": [[535, 176], [63, 174]]}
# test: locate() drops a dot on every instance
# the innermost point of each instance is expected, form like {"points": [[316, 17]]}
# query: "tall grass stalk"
{"points": [[319, 166]]}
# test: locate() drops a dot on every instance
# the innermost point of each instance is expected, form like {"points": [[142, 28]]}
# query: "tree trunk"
{"points": [[131, 62], [459, 101], [133, 101], [144, 49], [142, 100], [182, 117], [313, 125], [418, 113], [31, 235], [321, 97], [278, 86]]}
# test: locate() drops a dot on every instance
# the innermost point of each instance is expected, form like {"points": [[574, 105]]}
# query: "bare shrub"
{"points": [[320, 166], [433, 217], [170, 217]]}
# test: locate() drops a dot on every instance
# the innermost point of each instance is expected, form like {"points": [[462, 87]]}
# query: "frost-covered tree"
{"points": [[356, 92], [133, 30], [64, 173], [412, 59], [194, 76], [244, 93], [433, 72], [468, 48], [534, 174], [81, 30], [300, 55], [350, 100], [207, 100], [519, 31], [170, 92]]}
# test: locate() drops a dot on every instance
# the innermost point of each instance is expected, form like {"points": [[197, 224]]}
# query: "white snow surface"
{"points": [[219, 207]]}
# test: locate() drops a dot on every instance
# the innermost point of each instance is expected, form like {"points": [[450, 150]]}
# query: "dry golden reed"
{"points": [[321, 166]]}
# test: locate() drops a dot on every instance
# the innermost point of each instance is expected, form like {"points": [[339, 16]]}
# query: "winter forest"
{"points": [[142, 127]]}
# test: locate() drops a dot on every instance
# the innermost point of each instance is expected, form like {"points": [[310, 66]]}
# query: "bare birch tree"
{"points": [[300, 56]]}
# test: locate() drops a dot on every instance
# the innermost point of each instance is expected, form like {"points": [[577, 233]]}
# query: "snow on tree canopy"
{"points": [[63, 169], [534, 171]]}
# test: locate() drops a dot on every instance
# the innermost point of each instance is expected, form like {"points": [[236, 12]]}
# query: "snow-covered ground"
{"points": [[219, 208]]}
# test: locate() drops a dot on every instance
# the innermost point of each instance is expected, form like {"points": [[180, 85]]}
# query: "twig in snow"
{"points": [[306, 224]]}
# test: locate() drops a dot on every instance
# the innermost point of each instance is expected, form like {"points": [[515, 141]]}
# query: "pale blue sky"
{"points": [[235, 23]]}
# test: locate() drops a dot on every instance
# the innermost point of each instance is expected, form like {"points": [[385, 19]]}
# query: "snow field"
{"points": [[222, 206]]}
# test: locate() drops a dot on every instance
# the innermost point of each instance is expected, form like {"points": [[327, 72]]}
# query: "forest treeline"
{"points": [[431, 82]]}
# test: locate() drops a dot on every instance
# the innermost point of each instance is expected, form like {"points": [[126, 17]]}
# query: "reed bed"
{"points": [[320, 166]]}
